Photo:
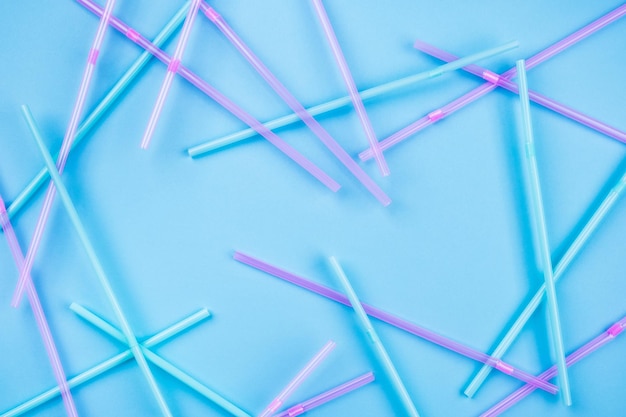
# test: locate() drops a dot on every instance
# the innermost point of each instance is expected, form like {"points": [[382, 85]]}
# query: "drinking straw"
{"points": [[541, 246], [171, 71], [492, 81], [95, 262], [377, 344], [167, 366], [220, 98], [40, 317], [96, 114], [349, 81], [327, 396], [538, 98], [402, 324], [65, 151], [108, 364], [370, 93], [607, 336], [298, 379], [295, 105]]}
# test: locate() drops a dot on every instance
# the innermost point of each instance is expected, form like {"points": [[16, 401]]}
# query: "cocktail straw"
{"points": [[108, 364], [295, 105], [349, 81], [607, 336], [95, 262], [377, 344], [492, 82], [40, 317], [538, 98], [298, 380], [171, 71], [541, 246], [370, 93], [110, 330], [327, 396], [222, 100], [401, 324], [100, 110], [66, 146]]}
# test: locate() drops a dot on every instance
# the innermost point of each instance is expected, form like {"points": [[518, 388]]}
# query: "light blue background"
{"points": [[452, 253]]}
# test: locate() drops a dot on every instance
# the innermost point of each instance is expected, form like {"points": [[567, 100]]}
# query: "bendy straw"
{"points": [[295, 105], [221, 99], [327, 396], [396, 322], [171, 71], [298, 380], [101, 108], [95, 262], [86, 376], [369, 94], [590, 226], [377, 344], [157, 360], [492, 82], [607, 336], [541, 244], [349, 81], [40, 317], [66, 146]]}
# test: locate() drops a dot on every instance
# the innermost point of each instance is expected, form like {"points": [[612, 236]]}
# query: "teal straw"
{"points": [[95, 262], [108, 364], [206, 147], [96, 114], [561, 266], [168, 367], [542, 247], [373, 338]]}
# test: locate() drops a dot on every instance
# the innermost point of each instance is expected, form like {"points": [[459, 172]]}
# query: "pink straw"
{"points": [[70, 135], [40, 317]]}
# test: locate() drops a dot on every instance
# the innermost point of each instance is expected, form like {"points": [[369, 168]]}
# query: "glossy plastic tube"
{"points": [[542, 245], [397, 322], [377, 344], [295, 105], [95, 262], [349, 81]]}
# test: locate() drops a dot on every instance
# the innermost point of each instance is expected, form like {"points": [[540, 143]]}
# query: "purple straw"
{"points": [[398, 322], [70, 135], [222, 100], [493, 81], [295, 105], [40, 317], [607, 336]]}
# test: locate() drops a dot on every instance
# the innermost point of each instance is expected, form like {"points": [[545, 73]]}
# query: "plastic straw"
{"points": [[492, 81], [95, 262], [541, 245], [96, 114], [107, 328], [349, 81], [397, 322], [298, 379], [295, 105], [171, 71], [370, 93], [607, 336], [222, 100], [327, 396], [108, 364], [534, 96], [40, 317], [377, 344], [66, 146]]}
